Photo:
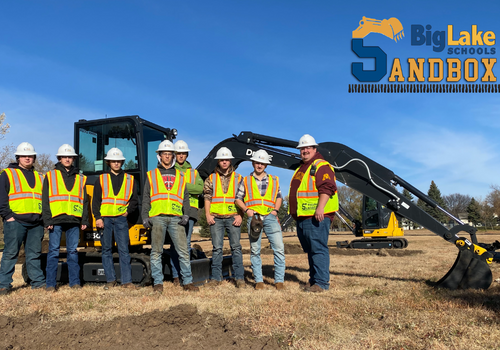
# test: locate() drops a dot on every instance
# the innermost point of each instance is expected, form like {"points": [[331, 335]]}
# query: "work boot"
{"points": [[190, 287], [109, 285], [213, 283], [240, 284], [280, 286], [259, 285], [4, 291], [129, 286], [50, 289], [158, 288], [176, 281], [315, 289], [76, 286], [307, 286]]}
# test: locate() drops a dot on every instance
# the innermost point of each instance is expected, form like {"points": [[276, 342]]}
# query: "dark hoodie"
{"points": [[69, 181], [5, 210], [325, 183]]}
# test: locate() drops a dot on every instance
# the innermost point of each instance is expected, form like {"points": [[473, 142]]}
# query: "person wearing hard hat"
{"points": [[313, 202], [194, 185], [223, 215], [114, 199], [65, 209], [259, 196], [165, 206], [21, 209]]}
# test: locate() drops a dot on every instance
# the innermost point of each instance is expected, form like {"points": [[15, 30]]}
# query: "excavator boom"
{"points": [[366, 176]]}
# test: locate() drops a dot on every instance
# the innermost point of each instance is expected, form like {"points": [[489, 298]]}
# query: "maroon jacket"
{"points": [[325, 182]]}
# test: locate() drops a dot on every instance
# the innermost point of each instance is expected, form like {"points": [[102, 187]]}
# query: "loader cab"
{"points": [[137, 138], [378, 220]]}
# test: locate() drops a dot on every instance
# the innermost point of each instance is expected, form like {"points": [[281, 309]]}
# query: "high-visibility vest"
{"points": [[223, 203], [253, 199], [164, 201], [112, 205], [22, 198], [63, 201], [307, 193], [190, 176]]}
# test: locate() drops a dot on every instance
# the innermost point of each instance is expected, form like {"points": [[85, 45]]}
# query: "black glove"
{"points": [[184, 220], [147, 223]]}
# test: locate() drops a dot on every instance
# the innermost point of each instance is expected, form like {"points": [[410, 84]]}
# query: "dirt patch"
{"points": [[180, 327]]}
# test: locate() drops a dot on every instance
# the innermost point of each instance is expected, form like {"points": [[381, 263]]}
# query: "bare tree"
{"points": [[4, 127], [7, 156], [457, 203], [43, 163], [350, 200], [493, 199]]}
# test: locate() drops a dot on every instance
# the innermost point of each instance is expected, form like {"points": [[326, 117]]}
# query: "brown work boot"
{"points": [[307, 286], [76, 286], [240, 284], [129, 286], [176, 281], [50, 289], [4, 291], [190, 287], [280, 286], [158, 288], [316, 289], [109, 285], [259, 285], [213, 283]]}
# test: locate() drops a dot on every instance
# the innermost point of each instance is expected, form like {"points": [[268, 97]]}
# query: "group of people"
{"points": [[59, 202]]}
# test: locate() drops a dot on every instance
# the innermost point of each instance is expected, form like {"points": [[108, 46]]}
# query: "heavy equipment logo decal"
{"points": [[459, 71]]}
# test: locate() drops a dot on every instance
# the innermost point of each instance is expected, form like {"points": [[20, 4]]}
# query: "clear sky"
{"points": [[214, 68]]}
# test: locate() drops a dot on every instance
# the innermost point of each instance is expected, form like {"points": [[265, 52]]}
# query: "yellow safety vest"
{"points": [[307, 193], [190, 176], [63, 201], [223, 203], [253, 199], [164, 201], [22, 198], [112, 205]]}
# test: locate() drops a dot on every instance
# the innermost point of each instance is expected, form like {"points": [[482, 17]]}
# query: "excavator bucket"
{"points": [[467, 272]]}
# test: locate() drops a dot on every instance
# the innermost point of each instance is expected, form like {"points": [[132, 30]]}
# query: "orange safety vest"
{"points": [[22, 198], [223, 203], [164, 201], [63, 201], [253, 199], [112, 205]]}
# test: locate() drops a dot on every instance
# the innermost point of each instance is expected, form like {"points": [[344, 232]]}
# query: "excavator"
{"points": [[138, 139]]}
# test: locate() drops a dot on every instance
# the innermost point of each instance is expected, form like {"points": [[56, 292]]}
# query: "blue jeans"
{"points": [[313, 236], [174, 257], [72, 236], [273, 232], [15, 234], [217, 231], [178, 236], [119, 226]]}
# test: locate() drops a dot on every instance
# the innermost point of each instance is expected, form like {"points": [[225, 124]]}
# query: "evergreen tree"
{"points": [[435, 194], [407, 222], [407, 194], [474, 212]]}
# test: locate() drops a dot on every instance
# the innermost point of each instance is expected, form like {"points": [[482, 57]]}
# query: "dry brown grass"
{"points": [[375, 302]]}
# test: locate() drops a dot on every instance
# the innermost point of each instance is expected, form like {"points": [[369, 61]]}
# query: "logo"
{"points": [[326, 177], [425, 73], [250, 153]]}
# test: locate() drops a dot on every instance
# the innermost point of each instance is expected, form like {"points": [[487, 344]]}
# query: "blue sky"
{"points": [[214, 68]]}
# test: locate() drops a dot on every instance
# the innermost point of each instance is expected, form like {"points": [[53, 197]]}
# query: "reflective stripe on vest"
{"points": [[255, 201], [164, 201], [307, 193], [223, 203], [22, 198], [112, 205], [63, 201], [190, 176]]}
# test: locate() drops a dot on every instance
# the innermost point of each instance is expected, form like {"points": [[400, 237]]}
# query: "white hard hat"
{"points": [[224, 153], [261, 156], [181, 146], [25, 149], [166, 145], [306, 141], [66, 150], [114, 154]]}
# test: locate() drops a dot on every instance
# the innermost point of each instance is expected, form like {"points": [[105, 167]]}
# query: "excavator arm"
{"points": [[471, 269]]}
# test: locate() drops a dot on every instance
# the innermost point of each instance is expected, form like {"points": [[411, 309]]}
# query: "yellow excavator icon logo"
{"points": [[391, 28]]}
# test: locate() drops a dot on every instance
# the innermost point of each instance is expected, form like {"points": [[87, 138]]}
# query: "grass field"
{"points": [[375, 301]]}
